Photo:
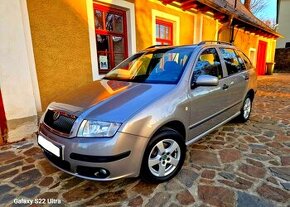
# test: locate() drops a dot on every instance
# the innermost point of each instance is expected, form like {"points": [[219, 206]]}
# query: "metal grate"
{"points": [[60, 122]]}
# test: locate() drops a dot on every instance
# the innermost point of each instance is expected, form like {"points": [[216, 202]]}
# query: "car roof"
{"points": [[201, 45]]}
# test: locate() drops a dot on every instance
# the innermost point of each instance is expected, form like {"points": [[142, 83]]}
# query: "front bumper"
{"points": [[121, 156]]}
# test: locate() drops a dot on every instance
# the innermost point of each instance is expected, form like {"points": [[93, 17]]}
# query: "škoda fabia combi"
{"points": [[139, 118]]}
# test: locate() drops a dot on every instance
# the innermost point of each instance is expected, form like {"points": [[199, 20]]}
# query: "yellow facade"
{"points": [[144, 36], [62, 44]]}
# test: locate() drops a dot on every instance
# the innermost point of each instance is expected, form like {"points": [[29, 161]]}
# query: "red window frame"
{"points": [[103, 31], [168, 25]]}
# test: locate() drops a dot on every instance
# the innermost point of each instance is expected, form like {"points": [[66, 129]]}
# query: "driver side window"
{"points": [[208, 63]]}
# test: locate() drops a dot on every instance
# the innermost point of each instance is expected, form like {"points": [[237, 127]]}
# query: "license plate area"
{"points": [[49, 146]]}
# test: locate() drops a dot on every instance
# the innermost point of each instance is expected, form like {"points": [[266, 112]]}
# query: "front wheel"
{"points": [[164, 156], [246, 109]]}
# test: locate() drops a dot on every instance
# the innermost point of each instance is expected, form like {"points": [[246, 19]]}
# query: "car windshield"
{"points": [[158, 66]]}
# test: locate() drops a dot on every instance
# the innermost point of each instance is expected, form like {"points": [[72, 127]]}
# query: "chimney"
{"points": [[248, 4]]}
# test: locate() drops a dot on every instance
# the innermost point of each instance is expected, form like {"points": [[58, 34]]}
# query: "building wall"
{"points": [[17, 81], [209, 29], [144, 23], [283, 27], [282, 60], [64, 45], [61, 46]]}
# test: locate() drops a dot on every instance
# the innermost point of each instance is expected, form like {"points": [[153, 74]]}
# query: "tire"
{"points": [[246, 109], [163, 157]]}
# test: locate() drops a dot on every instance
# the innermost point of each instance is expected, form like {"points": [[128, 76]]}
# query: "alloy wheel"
{"points": [[164, 157], [247, 108]]}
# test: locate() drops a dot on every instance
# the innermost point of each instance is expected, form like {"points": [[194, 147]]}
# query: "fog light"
{"points": [[101, 173]]}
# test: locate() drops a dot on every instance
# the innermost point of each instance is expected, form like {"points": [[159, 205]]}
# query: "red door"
{"points": [[3, 124], [261, 58]]}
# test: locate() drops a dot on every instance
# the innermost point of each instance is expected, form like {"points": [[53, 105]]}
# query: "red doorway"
{"points": [[3, 124], [261, 58]]}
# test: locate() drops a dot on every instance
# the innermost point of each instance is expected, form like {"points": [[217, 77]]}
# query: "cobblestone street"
{"points": [[237, 165]]}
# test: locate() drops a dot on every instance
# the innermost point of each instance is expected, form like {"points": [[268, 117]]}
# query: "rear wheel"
{"points": [[246, 109], [164, 156]]}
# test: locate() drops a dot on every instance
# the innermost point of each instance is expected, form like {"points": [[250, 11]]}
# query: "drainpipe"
{"points": [[226, 26], [229, 25]]}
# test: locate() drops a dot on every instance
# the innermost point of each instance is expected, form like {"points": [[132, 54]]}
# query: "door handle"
{"points": [[225, 87]]}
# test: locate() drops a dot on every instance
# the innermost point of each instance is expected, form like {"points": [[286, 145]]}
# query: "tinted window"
{"points": [[208, 64], [158, 66], [231, 60], [245, 59]]}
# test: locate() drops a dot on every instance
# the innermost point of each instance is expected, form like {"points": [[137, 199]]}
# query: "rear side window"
{"points": [[245, 59], [208, 63], [231, 60]]}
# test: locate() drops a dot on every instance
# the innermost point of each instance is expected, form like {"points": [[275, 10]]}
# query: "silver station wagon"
{"points": [[139, 118]]}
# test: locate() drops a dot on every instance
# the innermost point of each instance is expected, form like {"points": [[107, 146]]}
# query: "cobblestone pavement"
{"points": [[237, 165]]}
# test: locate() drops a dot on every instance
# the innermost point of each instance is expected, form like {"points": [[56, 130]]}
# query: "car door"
{"points": [[207, 103], [236, 79]]}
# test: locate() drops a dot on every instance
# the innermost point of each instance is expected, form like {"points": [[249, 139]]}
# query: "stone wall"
{"points": [[282, 59]]}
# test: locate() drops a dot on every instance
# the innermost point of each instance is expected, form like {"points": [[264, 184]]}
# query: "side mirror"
{"points": [[206, 80]]}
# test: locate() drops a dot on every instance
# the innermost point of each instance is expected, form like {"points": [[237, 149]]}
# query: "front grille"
{"points": [[57, 161], [62, 123]]}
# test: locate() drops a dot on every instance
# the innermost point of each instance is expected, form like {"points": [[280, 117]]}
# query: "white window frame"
{"points": [[166, 17], [255, 55], [131, 28]]}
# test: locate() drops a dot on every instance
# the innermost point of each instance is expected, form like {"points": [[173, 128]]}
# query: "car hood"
{"points": [[110, 100]]}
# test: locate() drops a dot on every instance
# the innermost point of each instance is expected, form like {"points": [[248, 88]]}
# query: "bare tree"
{"points": [[256, 6]]}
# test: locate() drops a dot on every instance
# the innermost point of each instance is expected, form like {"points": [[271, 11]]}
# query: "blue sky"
{"points": [[270, 10]]}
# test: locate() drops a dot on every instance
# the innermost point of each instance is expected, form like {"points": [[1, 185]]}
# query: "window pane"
{"points": [[118, 23], [161, 66], [102, 43], [99, 19], [167, 33], [246, 60], [241, 61], [208, 64], [157, 30], [231, 60], [162, 32], [118, 43], [118, 58], [109, 21]]}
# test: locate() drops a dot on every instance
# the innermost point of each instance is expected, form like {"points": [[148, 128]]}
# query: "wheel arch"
{"points": [[251, 94], [175, 125]]}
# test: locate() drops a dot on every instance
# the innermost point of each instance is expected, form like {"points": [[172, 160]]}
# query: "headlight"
{"points": [[98, 129]]}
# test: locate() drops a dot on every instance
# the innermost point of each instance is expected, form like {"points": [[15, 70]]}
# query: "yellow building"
{"points": [[58, 45]]}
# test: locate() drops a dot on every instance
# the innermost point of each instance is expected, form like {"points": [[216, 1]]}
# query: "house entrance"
{"points": [[261, 58]]}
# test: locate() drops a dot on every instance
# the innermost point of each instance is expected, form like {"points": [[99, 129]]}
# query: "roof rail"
{"points": [[153, 46], [217, 42]]}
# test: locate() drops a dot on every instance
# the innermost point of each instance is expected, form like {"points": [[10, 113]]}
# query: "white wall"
{"points": [[18, 79], [284, 28]]}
